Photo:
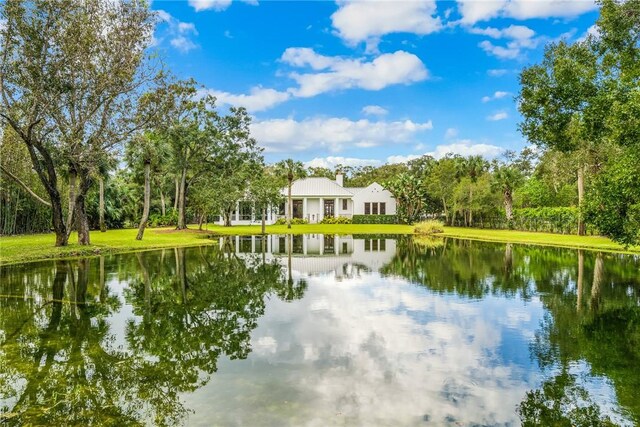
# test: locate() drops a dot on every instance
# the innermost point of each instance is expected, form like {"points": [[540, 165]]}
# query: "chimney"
{"points": [[339, 179]]}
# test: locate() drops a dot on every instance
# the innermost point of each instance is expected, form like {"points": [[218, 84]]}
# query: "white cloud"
{"points": [[367, 21], [517, 32], [334, 134], [183, 44], [331, 162], [501, 115], [216, 5], [497, 72], [374, 110], [464, 147], [467, 147], [178, 32], [451, 133], [591, 31], [520, 36], [258, 99], [337, 73], [497, 95], [473, 11]]}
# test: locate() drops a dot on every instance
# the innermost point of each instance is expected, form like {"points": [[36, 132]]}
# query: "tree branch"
{"points": [[23, 185]]}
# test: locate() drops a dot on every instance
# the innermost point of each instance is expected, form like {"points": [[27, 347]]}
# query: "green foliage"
{"points": [[294, 221], [167, 220], [335, 220], [614, 203], [374, 219], [428, 227], [555, 220]]}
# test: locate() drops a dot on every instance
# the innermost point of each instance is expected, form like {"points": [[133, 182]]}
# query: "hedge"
{"points": [[335, 220], [374, 219]]}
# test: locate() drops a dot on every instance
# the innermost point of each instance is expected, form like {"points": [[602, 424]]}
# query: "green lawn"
{"points": [[40, 246]]}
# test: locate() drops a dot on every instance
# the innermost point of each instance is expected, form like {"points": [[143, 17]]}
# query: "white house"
{"points": [[316, 198], [316, 254]]}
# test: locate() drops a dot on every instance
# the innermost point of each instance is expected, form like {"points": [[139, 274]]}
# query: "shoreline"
{"points": [[39, 247]]}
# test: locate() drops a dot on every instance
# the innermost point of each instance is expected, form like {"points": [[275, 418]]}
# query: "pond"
{"points": [[323, 330]]}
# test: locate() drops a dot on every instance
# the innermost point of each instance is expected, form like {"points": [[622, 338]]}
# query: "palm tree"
{"points": [[505, 179], [292, 170], [473, 167]]}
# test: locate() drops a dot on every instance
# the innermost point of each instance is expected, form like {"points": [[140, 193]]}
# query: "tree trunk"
{"points": [[163, 205], [200, 221], [581, 225], [580, 279], [598, 272], [290, 206], [175, 199], [508, 204], [147, 200], [182, 214], [263, 220], [103, 226], [73, 178], [470, 206], [446, 215], [82, 220], [62, 238]]}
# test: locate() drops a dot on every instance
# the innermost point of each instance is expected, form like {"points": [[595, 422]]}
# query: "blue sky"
{"points": [[368, 82]]}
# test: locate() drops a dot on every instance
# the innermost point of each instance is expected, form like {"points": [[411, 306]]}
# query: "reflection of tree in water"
{"points": [[60, 364], [592, 303]]}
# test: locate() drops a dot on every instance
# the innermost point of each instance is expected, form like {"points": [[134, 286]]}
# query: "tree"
{"points": [[506, 178], [562, 105], [472, 167], [291, 170], [70, 74], [441, 183], [264, 192], [408, 190]]}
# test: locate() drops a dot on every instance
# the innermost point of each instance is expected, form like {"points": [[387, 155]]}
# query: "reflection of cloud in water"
{"points": [[373, 351]]}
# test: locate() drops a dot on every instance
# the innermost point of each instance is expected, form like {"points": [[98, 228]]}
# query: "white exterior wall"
{"points": [[374, 193]]}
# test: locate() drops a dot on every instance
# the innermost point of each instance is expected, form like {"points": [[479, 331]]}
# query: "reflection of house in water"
{"points": [[317, 253]]}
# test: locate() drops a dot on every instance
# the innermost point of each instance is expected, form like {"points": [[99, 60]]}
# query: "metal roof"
{"points": [[317, 187]]}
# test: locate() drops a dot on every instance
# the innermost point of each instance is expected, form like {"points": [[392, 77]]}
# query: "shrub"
{"points": [[294, 221], [335, 220], [429, 227], [158, 220], [374, 219]]}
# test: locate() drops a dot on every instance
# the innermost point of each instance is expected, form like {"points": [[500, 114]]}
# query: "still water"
{"points": [[323, 330]]}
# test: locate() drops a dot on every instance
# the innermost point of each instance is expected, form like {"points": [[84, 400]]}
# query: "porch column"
{"points": [[335, 208], [321, 213], [238, 211], [304, 243], [336, 242], [305, 212]]}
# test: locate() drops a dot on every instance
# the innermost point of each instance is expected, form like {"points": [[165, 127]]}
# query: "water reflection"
{"points": [[324, 330], [63, 364]]}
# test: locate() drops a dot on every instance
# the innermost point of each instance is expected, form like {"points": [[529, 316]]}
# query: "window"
{"points": [[375, 208], [344, 204], [329, 243], [281, 209], [367, 244], [374, 245], [345, 247], [383, 208], [297, 206], [383, 245], [245, 211], [328, 208], [367, 208]]}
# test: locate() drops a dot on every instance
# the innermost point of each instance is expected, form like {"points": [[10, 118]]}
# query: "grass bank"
{"points": [[16, 249]]}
